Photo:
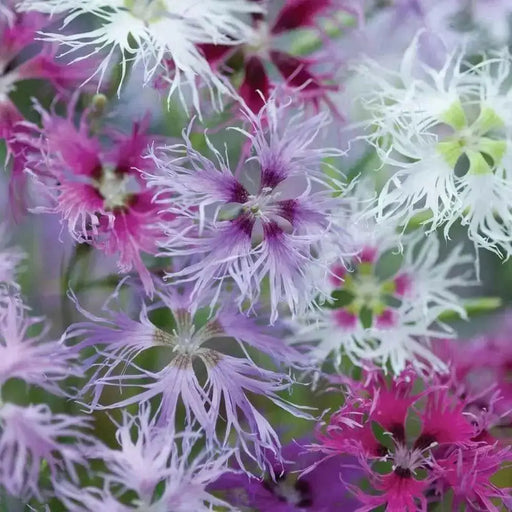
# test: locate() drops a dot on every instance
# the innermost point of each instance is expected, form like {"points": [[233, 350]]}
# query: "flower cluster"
{"points": [[451, 450], [252, 231]]}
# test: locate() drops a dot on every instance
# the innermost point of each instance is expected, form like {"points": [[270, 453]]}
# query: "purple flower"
{"points": [[34, 359], [149, 456], [267, 221], [10, 257], [188, 353], [32, 435], [318, 490]]}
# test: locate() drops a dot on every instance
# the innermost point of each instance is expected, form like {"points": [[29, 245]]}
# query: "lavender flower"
{"points": [[187, 352], [268, 221], [151, 456], [10, 258], [32, 435]]}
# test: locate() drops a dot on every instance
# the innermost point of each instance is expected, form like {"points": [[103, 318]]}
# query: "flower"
{"points": [[270, 223], [448, 452], [18, 38], [96, 189], [151, 456], [319, 489], [33, 434], [214, 387], [262, 51], [445, 134], [10, 258], [161, 34], [387, 317], [480, 369], [34, 359]]}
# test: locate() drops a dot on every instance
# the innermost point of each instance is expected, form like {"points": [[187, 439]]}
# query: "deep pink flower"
{"points": [[297, 72], [96, 187], [481, 367], [448, 453], [18, 34]]}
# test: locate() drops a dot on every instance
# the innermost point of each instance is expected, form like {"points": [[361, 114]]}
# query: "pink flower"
{"points": [[96, 188], [448, 453], [263, 52], [18, 33]]}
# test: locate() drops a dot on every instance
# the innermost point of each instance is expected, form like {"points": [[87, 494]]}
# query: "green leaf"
{"points": [[477, 306]]}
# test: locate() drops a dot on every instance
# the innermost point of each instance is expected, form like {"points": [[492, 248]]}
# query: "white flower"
{"points": [[163, 35], [387, 313], [446, 134]]}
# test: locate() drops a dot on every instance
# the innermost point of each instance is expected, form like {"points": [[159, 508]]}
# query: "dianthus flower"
{"points": [[163, 35], [263, 50], [480, 368], [194, 370], [32, 434], [445, 133], [23, 58], [95, 185], [10, 258], [387, 317], [447, 453], [154, 468], [285, 490], [34, 359], [267, 221]]}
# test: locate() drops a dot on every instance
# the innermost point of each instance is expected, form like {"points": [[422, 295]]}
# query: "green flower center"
{"points": [[364, 291], [478, 143], [113, 187], [148, 11]]}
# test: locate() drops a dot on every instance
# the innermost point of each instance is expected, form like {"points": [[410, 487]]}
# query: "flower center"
{"points": [[186, 338], [261, 204], [473, 148], [113, 187], [148, 11], [406, 461], [259, 41]]}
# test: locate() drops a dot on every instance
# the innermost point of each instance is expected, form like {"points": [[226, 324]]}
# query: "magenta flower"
{"points": [[96, 189], [189, 352], [319, 489], [268, 221], [264, 51], [18, 34], [448, 453], [480, 368]]}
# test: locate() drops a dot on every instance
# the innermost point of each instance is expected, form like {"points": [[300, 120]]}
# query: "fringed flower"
{"points": [[269, 221]]}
